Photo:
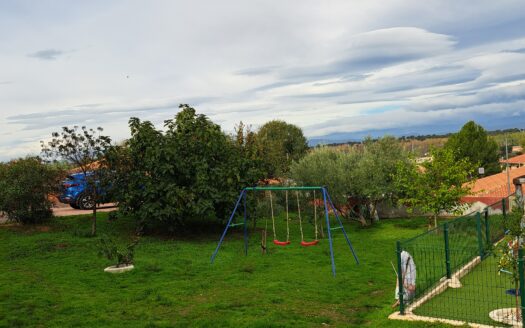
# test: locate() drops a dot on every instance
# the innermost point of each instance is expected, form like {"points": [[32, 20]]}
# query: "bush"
{"points": [[121, 255], [25, 186]]}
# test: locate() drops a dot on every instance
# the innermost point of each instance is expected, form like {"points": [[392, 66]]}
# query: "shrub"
{"points": [[25, 186], [121, 255]]}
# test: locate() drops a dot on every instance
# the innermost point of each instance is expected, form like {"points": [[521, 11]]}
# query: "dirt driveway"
{"points": [[66, 210]]}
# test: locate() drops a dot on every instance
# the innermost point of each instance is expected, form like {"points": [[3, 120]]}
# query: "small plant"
{"points": [[507, 250], [112, 216], [110, 250]]}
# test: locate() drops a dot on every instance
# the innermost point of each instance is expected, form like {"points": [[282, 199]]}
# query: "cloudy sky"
{"points": [[338, 69]]}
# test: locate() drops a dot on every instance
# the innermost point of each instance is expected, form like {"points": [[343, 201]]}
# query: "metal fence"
{"points": [[457, 274]]}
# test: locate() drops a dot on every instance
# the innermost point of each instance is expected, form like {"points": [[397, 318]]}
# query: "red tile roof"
{"points": [[520, 159], [494, 186]]}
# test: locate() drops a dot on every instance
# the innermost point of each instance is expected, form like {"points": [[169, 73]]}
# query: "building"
{"points": [[516, 161], [490, 190]]}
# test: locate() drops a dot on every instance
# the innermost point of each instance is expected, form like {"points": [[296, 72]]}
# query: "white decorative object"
{"points": [[506, 316], [454, 282], [119, 269]]}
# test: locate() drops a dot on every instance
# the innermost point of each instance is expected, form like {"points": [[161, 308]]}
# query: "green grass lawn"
{"points": [[483, 291], [51, 276]]}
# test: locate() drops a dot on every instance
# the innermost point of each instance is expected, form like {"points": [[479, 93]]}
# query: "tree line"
{"points": [[191, 170]]}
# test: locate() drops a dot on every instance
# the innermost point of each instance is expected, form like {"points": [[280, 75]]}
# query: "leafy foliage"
{"points": [[122, 256], [437, 185], [507, 250], [251, 167], [365, 174], [279, 144], [84, 148], [474, 144], [25, 186], [191, 171]]}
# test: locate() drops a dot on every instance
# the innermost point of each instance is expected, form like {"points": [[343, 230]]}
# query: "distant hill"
{"points": [[420, 143]]}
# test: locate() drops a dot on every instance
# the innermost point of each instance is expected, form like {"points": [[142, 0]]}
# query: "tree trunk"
{"points": [[94, 224], [346, 215], [373, 212], [432, 221], [362, 219]]}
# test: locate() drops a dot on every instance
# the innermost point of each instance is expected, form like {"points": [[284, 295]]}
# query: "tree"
{"points": [[474, 144], [279, 144], [437, 185], [251, 167], [86, 149], [25, 186], [361, 174], [373, 177], [192, 171], [330, 167]]}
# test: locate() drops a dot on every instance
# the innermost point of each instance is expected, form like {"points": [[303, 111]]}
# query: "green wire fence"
{"points": [[457, 276]]}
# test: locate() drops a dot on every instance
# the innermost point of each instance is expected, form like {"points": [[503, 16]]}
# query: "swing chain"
{"points": [[315, 216], [273, 217], [299, 214], [287, 218]]}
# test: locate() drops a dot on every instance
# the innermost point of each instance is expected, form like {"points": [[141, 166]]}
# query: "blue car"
{"points": [[74, 192]]}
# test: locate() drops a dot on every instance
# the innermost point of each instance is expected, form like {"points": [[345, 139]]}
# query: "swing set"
{"points": [[328, 205]]}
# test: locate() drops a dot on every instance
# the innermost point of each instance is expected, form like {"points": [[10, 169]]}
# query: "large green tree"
{"points": [[279, 144], [192, 171], [437, 185], [474, 144], [360, 174]]}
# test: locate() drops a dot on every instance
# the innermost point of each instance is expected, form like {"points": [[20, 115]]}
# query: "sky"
{"points": [[340, 70]]}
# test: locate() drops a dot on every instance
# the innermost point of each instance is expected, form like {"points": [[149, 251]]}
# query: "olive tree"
{"points": [[85, 149], [364, 174]]}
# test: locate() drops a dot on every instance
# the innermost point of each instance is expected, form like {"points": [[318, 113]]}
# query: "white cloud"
{"points": [[330, 67]]}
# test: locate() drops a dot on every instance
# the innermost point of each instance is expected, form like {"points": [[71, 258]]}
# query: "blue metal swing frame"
{"points": [[326, 200]]}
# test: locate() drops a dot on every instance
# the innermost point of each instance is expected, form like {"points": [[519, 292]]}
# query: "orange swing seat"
{"points": [[281, 243], [309, 243]]}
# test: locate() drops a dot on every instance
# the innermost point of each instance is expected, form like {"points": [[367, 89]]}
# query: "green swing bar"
{"points": [[327, 206]]}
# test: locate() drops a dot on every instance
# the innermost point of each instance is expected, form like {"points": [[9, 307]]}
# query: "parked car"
{"points": [[75, 192]]}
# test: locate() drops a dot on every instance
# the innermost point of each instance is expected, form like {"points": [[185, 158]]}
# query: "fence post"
{"points": [[447, 251], [480, 238], [400, 279], [487, 228], [504, 212], [522, 283]]}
